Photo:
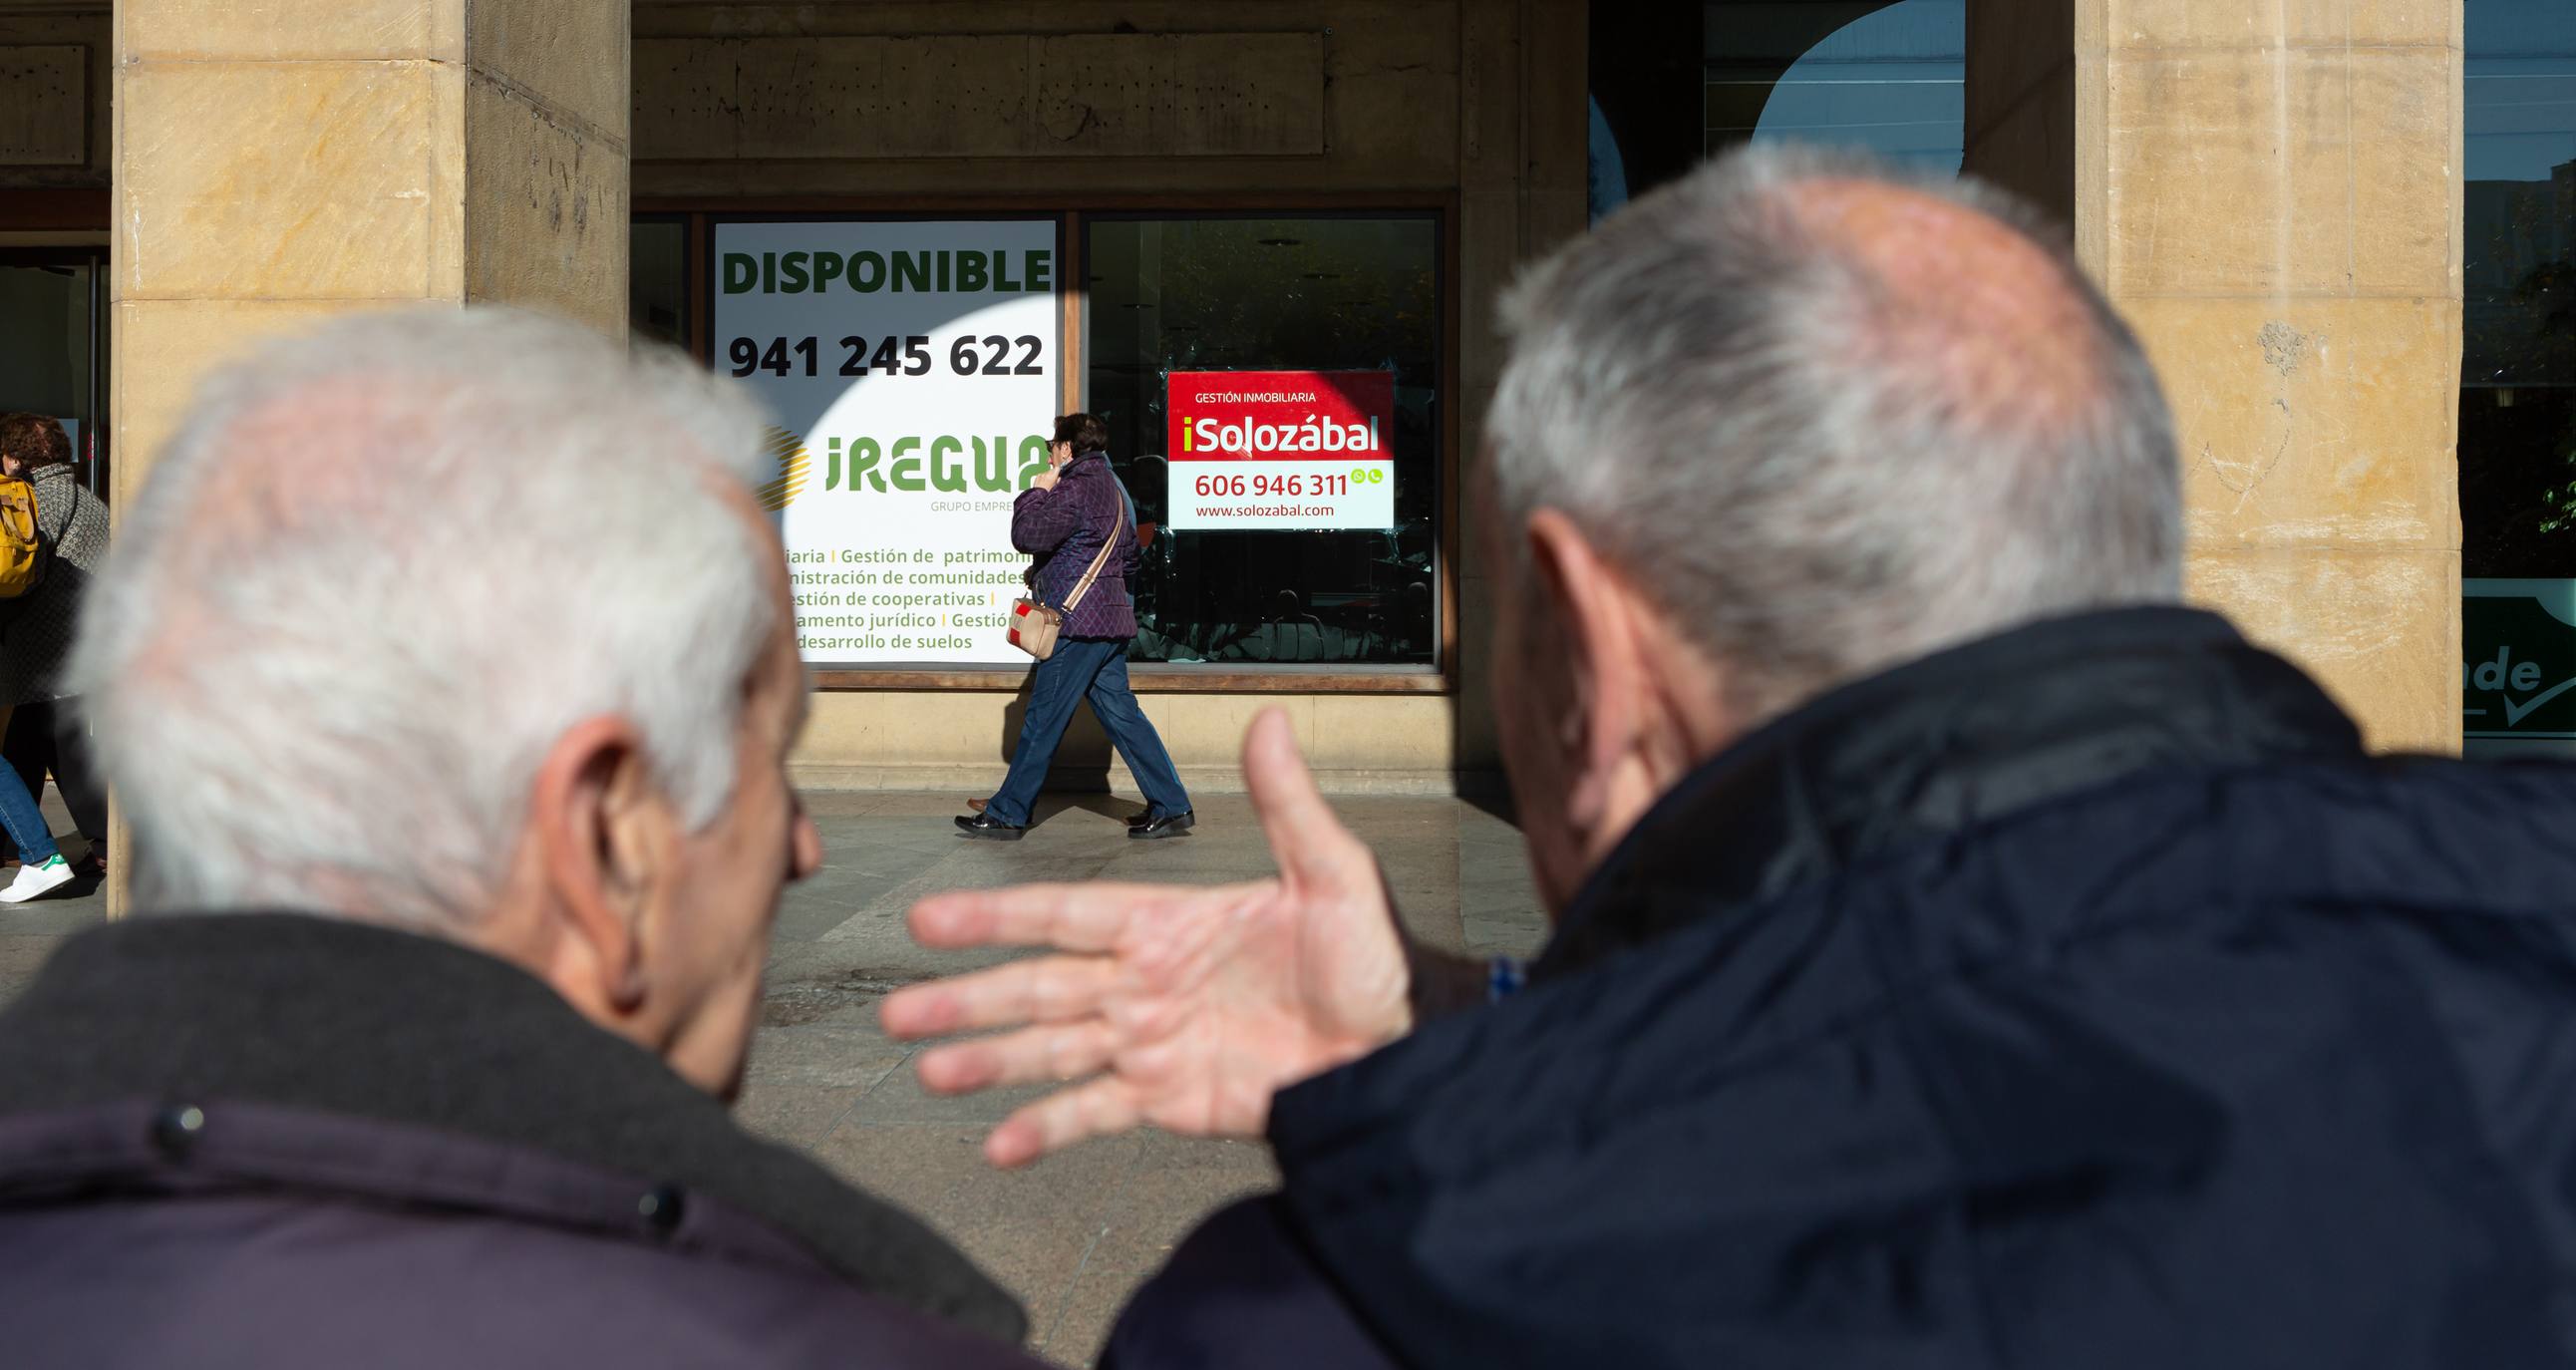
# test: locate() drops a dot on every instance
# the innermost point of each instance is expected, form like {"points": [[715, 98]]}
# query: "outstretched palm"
{"points": [[1183, 1007]]}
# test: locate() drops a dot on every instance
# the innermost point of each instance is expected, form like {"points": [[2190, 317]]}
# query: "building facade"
{"points": [[941, 223]]}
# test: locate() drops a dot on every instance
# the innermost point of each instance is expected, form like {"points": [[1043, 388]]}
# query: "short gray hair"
{"points": [[1695, 384], [378, 573]]}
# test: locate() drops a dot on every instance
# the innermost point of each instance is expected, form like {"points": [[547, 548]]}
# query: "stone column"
{"points": [[275, 165], [1522, 145], [2271, 194]]}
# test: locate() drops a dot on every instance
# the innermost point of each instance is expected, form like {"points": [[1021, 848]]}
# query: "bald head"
{"points": [[1838, 417], [1979, 314]]}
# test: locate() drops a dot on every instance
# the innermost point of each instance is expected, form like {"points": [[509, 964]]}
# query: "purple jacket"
{"points": [[1063, 528], [277, 1141]]}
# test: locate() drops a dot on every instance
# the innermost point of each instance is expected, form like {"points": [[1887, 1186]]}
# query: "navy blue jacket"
{"points": [[2083, 999]]}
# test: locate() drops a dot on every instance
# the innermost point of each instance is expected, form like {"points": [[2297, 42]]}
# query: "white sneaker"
{"points": [[36, 880]]}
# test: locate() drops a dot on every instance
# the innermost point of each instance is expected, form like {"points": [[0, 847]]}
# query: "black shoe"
{"points": [[1153, 826], [983, 826]]}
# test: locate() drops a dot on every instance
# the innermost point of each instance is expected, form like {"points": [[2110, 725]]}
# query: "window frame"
{"points": [[1441, 677]]}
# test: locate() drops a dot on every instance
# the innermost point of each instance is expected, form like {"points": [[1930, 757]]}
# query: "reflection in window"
{"points": [[2518, 364], [1890, 78], [657, 281], [1887, 76], [1229, 294]]}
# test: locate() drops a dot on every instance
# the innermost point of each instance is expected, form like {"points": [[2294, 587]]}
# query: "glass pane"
{"points": [[1271, 295], [46, 348], [2518, 376], [1674, 83], [1888, 77], [657, 281]]}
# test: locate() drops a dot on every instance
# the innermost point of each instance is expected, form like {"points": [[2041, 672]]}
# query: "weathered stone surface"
{"points": [[164, 346], [2229, 173], [1179, 95], [981, 96], [2008, 62], [546, 212], [2029, 149], [2379, 629], [44, 105], [2298, 23], [2376, 23], [568, 58], [304, 180], [2404, 145], [676, 82], [2193, 24], [34, 105], [2312, 422], [289, 30]]}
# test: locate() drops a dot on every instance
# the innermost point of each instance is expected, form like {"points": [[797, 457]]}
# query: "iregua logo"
{"points": [[944, 463], [793, 465], [1312, 434]]}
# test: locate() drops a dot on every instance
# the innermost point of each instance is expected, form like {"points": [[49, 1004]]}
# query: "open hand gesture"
{"points": [[1173, 1005]]}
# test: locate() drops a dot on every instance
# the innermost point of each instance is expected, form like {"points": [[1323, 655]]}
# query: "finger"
{"points": [[1051, 989], [1026, 1057], [1307, 841], [1066, 917], [1102, 1108]]}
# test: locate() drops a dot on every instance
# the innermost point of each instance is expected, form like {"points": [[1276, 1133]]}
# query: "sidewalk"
{"points": [[1073, 1234]]}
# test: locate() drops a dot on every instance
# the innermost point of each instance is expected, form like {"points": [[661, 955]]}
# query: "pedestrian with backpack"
{"points": [[53, 537]]}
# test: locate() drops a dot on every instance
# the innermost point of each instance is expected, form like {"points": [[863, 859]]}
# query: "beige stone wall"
{"points": [[275, 165], [1474, 103], [2271, 194]]}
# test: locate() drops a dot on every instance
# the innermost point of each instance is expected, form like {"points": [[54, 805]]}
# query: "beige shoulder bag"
{"points": [[1035, 625]]}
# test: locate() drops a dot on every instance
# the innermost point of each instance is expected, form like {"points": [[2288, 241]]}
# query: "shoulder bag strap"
{"points": [[1111, 545]]}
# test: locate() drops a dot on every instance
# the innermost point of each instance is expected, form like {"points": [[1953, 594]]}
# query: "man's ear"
{"points": [[1596, 627], [600, 829]]}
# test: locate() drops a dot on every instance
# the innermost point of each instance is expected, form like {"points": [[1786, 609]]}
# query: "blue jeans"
{"points": [[25, 822], [1096, 667]]}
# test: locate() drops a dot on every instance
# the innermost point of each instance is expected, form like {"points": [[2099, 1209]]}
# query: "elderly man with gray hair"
{"points": [[448, 674], [1963, 955]]}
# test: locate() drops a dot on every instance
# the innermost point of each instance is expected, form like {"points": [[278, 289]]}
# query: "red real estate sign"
{"points": [[1280, 449]]}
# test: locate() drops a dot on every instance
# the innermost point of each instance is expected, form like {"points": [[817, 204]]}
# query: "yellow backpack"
{"points": [[21, 555]]}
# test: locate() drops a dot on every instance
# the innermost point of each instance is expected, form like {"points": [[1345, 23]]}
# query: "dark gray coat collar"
{"points": [[336, 1018]]}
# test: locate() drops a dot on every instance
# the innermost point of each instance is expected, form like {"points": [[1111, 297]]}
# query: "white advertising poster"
{"points": [[912, 369]]}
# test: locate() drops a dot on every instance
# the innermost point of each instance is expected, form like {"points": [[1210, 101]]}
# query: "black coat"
{"points": [[2081, 999], [279, 1142]]}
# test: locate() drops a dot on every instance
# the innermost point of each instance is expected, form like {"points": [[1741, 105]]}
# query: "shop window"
{"points": [[657, 280], [1891, 79], [1352, 301], [2518, 377], [1888, 76]]}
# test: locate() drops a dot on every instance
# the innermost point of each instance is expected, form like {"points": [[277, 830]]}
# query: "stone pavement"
{"points": [[1071, 1235]]}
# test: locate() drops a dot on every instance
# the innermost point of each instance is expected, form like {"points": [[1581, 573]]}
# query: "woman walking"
{"points": [[1065, 518], [71, 528]]}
